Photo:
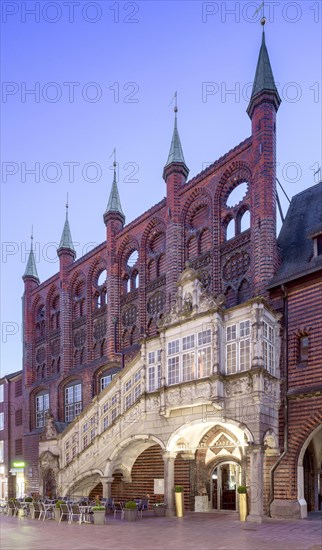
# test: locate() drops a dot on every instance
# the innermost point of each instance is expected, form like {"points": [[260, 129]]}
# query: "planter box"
{"points": [[159, 511], [201, 503], [130, 515], [242, 506], [57, 513], [99, 517], [179, 505]]}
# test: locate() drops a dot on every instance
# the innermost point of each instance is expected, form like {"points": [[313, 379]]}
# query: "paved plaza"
{"points": [[194, 531]]}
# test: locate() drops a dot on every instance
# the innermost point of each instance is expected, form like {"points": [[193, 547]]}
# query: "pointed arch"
{"points": [[244, 291], [230, 295]]}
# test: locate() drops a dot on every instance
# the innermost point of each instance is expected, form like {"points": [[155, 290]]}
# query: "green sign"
{"points": [[18, 464]]}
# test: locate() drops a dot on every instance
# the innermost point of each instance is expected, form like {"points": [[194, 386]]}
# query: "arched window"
{"points": [[79, 299], [192, 251], [230, 230], [161, 265], [245, 221], [107, 377], [128, 285], [55, 314], [41, 407], [151, 270], [244, 291], [135, 280], [205, 241], [230, 297], [73, 400]]}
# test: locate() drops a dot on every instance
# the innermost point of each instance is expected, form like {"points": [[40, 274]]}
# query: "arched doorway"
{"points": [[225, 478], [310, 474]]}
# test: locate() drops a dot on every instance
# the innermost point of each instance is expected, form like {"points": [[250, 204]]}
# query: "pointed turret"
{"points": [[66, 242], [31, 269], [262, 110], [175, 157], [114, 203], [264, 82]]}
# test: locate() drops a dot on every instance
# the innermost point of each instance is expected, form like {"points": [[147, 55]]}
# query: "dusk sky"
{"points": [[80, 78]]}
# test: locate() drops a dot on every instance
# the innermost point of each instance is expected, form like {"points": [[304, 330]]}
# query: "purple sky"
{"points": [[103, 75]]}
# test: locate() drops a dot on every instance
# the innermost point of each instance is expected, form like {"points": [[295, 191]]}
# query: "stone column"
{"points": [[255, 501], [169, 459], [107, 486]]}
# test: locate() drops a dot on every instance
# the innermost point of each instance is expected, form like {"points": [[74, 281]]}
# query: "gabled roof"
{"points": [[303, 219]]}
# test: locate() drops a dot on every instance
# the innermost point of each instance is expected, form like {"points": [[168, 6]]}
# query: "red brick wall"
{"points": [[304, 380]]}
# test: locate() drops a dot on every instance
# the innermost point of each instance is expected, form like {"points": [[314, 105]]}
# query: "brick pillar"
{"points": [[114, 224], [66, 257], [175, 177], [263, 193]]}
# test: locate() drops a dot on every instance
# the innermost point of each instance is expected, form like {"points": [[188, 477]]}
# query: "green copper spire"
{"points": [[66, 242], [114, 203], [264, 79], [31, 269], [176, 153]]}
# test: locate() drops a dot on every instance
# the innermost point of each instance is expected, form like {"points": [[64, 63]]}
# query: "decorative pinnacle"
{"points": [[67, 207], [175, 103], [31, 269]]}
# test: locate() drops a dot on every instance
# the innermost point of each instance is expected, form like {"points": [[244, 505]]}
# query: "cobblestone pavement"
{"points": [[194, 531]]}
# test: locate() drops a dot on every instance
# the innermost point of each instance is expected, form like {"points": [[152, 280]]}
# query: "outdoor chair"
{"points": [[64, 512], [143, 506], [118, 508], [20, 511], [75, 511], [109, 504], [11, 508], [35, 510], [45, 511]]}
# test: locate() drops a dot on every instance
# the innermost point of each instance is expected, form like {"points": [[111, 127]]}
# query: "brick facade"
{"points": [[79, 328]]}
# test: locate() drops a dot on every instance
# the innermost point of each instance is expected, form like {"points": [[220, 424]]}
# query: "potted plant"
{"points": [[159, 508], [242, 493], [130, 510], [99, 512], [178, 494], [57, 511]]}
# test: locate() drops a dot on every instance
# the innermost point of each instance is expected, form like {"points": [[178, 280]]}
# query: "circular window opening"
{"points": [[237, 194], [133, 258], [102, 278]]}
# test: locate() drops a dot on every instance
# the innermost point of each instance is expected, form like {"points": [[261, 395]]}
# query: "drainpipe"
{"points": [[285, 355], [115, 320]]}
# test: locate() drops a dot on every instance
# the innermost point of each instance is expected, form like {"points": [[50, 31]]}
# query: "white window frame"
{"points": [[238, 347], [73, 407], [1, 421], [42, 406], [1, 393], [132, 389], [105, 380], [154, 371], [269, 348], [186, 364]]}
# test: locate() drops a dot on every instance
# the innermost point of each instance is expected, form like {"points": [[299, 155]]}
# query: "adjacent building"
{"points": [[12, 465]]}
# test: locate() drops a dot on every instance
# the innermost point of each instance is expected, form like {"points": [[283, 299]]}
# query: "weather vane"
{"points": [[318, 171], [175, 100], [261, 8]]}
